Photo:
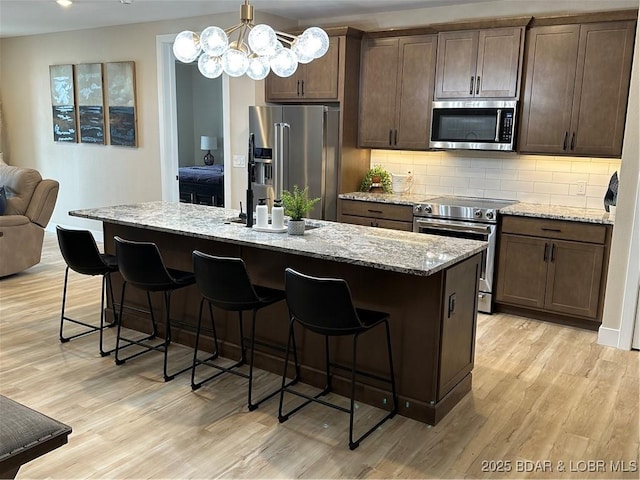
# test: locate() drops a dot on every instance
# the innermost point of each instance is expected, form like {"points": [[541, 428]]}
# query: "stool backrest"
{"points": [[223, 281], [323, 305], [80, 252], [141, 264]]}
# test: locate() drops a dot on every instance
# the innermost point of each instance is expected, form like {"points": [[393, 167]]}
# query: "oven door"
{"points": [[474, 231]]}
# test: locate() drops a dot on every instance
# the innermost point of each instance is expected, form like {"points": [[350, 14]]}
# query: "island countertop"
{"points": [[404, 252]]}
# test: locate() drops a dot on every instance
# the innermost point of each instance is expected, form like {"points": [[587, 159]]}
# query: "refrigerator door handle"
{"points": [[280, 151]]}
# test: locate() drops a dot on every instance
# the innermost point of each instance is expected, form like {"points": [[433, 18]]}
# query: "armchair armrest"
{"points": [[42, 202]]}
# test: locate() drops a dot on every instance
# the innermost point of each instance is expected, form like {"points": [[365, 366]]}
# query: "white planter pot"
{"points": [[295, 227]]}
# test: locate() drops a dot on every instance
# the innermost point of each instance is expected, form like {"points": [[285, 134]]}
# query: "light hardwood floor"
{"points": [[541, 393]]}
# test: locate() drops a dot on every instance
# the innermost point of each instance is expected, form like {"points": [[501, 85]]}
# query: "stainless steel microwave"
{"points": [[474, 125]]}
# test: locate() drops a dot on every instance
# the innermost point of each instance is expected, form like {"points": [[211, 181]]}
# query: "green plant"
{"points": [[382, 174], [298, 203]]}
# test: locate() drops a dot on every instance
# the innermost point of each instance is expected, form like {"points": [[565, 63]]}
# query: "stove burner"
{"points": [[462, 208]]}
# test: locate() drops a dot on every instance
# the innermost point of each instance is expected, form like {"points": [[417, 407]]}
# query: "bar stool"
{"points": [[141, 265], [325, 306], [224, 283], [80, 252]]}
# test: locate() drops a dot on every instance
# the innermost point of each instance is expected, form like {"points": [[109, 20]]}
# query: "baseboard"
{"points": [[608, 336]]}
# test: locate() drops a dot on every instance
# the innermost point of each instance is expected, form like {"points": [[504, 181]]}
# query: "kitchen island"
{"points": [[428, 285]]}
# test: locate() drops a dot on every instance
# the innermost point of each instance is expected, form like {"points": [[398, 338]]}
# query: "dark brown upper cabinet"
{"points": [[576, 87], [479, 63], [316, 81], [396, 91]]}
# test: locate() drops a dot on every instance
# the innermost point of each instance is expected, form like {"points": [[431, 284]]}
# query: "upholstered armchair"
{"points": [[29, 206]]}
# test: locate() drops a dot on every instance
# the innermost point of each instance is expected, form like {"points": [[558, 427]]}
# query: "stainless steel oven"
{"points": [[465, 217]]}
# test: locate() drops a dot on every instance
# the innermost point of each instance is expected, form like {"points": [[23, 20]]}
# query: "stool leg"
{"points": [[195, 386], [253, 349], [327, 386], [394, 409], [113, 302], [103, 294], [353, 445], [283, 418], [167, 334], [64, 302], [154, 332], [243, 357], [118, 360]]}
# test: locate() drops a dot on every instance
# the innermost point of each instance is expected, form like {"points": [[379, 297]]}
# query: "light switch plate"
{"points": [[239, 161], [582, 188]]}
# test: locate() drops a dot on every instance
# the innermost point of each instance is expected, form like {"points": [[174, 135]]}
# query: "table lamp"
{"points": [[208, 144]]}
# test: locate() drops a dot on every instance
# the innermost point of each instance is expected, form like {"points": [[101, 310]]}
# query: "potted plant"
{"points": [[377, 179], [297, 205]]}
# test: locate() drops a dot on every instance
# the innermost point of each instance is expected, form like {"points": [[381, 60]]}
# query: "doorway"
{"points": [[200, 136]]}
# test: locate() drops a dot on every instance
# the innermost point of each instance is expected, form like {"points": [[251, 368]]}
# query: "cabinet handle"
{"points": [[374, 211], [564, 142], [390, 137], [546, 251], [471, 86], [395, 140], [544, 229], [298, 88], [477, 84], [573, 140], [553, 252], [302, 81]]}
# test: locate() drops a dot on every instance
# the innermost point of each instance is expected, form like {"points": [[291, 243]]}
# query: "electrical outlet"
{"points": [[238, 161], [582, 188]]}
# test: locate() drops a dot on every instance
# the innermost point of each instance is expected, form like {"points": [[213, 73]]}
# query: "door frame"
{"points": [[168, 124]]}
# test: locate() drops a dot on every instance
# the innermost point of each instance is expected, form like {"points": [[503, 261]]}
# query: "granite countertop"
{"points": [[404, 252], [555, 212], [558, 212]]}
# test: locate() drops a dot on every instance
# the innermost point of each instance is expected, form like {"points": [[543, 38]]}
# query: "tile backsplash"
{"points": [[567, 181]]}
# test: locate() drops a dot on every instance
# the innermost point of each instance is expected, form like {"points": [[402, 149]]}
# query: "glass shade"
{"points": [[214, 41], [299, 50], [186, 46], [284, 63], [210, 67], [315, 42], [235, 63], [262, 39], [258, 68]]}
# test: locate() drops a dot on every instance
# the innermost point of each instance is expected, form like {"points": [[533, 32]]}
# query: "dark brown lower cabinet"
{"points": [[553, 266]]}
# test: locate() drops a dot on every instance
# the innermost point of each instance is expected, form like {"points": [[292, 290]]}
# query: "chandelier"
{"points": [[257, 49]]}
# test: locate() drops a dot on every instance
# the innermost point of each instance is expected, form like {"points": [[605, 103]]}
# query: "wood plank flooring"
{"points": [[541, 393]]}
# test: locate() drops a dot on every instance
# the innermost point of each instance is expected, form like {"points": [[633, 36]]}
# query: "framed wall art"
{"points": [[62, 102], [90, 103], [121, 99]]}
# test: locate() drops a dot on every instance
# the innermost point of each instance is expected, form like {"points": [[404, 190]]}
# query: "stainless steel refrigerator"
{"points": [[298, 145]]}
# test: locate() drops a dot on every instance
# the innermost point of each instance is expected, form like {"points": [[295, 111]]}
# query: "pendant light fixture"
{"points": [[255, 51]]}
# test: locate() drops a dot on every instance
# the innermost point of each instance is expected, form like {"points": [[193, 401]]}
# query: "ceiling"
{"points": [[32, 17]]}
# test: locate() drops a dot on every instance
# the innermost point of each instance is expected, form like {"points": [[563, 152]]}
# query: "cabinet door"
{"points": [[456, 70], [378, 82], [497, 71], [522, 270], [602, 88], [573, 280], [415, 92], [320, 80], [549, 78], [282, 89]]}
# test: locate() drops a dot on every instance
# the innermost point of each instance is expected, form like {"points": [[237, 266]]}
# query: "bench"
{"points": [[26, 435]]}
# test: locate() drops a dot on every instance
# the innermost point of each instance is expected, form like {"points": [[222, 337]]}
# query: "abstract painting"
{"points": [[121, 98], [90, 103], [62, 101]]}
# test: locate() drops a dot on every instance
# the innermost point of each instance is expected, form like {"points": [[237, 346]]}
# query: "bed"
{"points": [[202, 184]]}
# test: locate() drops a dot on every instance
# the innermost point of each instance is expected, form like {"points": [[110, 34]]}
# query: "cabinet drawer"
{"points": [[377, 222], [401, 213], [560, 229]]}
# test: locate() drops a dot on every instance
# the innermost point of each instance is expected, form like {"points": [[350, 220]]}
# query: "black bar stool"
{"points": [[80, 252], [224, 283], [325, 306], [142, 266]]}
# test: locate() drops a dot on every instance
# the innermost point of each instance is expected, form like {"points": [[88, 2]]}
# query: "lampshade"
{"points": [[208, 143], [257, 50]]}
